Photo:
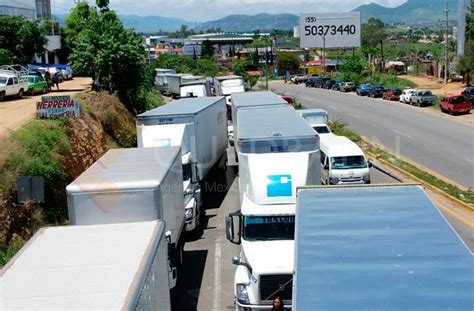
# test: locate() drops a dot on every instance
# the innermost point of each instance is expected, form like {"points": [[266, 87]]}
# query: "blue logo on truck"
{"points": [[279, 186]]}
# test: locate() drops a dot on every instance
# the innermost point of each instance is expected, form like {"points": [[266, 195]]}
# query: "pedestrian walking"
{"points": [[56, 80], [49, 81]]}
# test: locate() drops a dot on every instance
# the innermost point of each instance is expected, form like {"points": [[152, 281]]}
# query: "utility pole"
{"points": [[446, 60], [461, 37], [323, 60], [266, 68]]}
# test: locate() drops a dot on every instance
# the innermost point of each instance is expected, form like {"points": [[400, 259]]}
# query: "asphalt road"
{"points": [[434, 141]]}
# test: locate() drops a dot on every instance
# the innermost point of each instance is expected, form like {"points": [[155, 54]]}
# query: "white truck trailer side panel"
{"points": [[128, 185], [115, 266]]}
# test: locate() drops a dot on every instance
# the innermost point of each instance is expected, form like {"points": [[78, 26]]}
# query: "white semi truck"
{"points": [[133, 185], [180, 85], [318, 120], [377, 247], [252, 100], [278, 151], [99, 267], [227, 85], [198, 126]]}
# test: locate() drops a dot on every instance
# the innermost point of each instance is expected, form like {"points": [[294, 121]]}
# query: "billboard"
{"points": [[330, 30], [57, 107]]}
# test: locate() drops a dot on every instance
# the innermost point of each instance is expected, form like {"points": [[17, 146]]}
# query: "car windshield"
{"points": [[349, 162], [3, 80], [426, 93], [456, 100], [264, 228], [321, 129]]}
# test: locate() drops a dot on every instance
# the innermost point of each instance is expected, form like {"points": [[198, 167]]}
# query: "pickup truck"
{"points": [[13, 81], [422, 98], [406, 95], [455, 104], [469, 94], [376, 91], [347, 87]]}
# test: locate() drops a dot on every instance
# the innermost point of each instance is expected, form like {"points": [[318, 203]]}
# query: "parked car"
{"points": [[337, 85], [422, 98], [329, 84], [392, 94], [469, 94], [363, 89], [347, 87], [376, 91], [36, 84], [453, 104], [66, 73], [406, 95], [320, 82], [310, 81]]}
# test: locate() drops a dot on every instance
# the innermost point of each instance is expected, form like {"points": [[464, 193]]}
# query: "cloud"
{"points": [[203, 10]]}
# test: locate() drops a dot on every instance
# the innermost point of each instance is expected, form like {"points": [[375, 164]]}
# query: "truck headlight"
{"points": [[242, 294], [333, 180], [188, 213]]}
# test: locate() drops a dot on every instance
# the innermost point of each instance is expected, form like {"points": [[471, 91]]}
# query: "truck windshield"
{"points": [[350, 162], [321, 129], [187, 171], [264, 228]]}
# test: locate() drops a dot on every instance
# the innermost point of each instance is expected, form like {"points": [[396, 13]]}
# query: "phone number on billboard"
{"points": [[324, 30]]}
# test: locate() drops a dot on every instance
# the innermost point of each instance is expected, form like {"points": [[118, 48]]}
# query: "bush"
{"points": [[338, 127], [6, 253], [389, 81]]}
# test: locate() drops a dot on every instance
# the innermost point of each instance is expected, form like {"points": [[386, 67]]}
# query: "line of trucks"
{"points": [[334, 247], [342, 247]]}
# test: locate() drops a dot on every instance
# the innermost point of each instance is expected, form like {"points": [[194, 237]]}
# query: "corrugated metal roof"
{"points": [[378, 248], [182, 106], [281, 122], [131, 168], [254, 99]]}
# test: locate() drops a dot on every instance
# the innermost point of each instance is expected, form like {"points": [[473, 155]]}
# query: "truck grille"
{"points": [[270, 285]]}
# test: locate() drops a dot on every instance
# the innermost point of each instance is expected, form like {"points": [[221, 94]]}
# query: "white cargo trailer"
{"points": [[317, 119], [99, 267], [129, 185], [278, 152], [187, 85], [252, 100], [226, 86], [377, 247]]}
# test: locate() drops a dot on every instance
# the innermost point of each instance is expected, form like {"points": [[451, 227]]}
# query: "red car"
{"points": [[455, 104], [392, 95]]}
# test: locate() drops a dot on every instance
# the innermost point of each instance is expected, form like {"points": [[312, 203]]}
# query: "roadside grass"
{"points": [[340, 128], [7, 252], [436, 105]]}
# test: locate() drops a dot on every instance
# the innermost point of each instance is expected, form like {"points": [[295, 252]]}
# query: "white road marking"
{"points": [[470, 161], [403, 134], [354, 115], [216, 304]]}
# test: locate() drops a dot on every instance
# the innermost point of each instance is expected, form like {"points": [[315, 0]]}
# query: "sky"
{"points": [[205, 10]]}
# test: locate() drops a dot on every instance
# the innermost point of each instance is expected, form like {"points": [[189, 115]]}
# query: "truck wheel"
{"points": [[451, 112], [2, 96], [20, 93], [419, 104]]}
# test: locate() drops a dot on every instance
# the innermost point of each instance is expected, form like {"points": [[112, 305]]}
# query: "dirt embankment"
{"points": [[60, 151]]}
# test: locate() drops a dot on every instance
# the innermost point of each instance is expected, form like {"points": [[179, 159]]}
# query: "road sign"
{"points": [[57, 107], [330, 30]]}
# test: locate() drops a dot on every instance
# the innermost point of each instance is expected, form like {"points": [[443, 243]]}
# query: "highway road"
{"points": [[434, 141], [206, 283]]}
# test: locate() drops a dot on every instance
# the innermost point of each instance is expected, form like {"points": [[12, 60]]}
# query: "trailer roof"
{"points": [[315, 111], [131, 168], [222, 78], [378, 247], [81, 267], [280, 122], [257, 99], [183, 106]]}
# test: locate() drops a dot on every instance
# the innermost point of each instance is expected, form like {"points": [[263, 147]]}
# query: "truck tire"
{"points": [[2, 96], [419, 104], [20, 93]]}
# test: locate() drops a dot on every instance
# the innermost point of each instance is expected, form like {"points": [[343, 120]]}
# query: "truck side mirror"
{"points": [[370, 163], [194, 173], [237, 260], [326, 166], [229, 228]]}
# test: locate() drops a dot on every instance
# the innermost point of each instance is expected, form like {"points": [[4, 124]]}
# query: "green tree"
{"points": [[21, 38], [466, 63], [373, 32], [207, 49], [180, 63], [288, 62], [352, 65], [239, 66], [207, 67], [78, 20], [5, 57], [105, 50]]}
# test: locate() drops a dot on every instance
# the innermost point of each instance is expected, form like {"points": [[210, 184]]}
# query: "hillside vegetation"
{"points": [[59, 151]]}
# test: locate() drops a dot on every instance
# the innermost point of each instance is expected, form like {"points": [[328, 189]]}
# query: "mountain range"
{"points": [[412, 12]]}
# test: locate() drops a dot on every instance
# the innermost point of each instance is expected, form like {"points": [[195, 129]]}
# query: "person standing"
{"points": [[278, 304], [49, 81], [56, 79]]}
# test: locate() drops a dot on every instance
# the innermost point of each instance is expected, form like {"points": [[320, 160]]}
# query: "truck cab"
{"points": [[278, 151], [318, 120], [13, 81]]}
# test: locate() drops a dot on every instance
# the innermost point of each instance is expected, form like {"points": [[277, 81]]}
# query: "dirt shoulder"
{"points": [[14, 112]]}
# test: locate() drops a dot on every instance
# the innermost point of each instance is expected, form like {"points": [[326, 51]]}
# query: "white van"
{"points": [[343, 162]]}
